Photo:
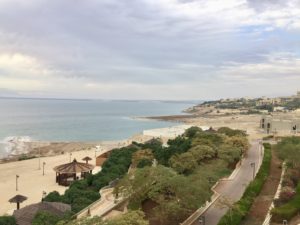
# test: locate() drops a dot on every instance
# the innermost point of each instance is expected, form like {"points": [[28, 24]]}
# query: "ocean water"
{"points": [[78, 120]]}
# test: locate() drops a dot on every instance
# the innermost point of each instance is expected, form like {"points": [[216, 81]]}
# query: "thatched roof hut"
{"points": [[70, 170], [25, 215]]}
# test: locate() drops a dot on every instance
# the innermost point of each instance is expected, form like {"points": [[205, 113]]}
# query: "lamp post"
{"points": [[70, 156], [17, 177], [253, 166], [44, 168]]}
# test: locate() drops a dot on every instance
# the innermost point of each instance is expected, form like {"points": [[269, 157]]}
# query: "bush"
{"points": [[144, 162], [288, 210], [192, 131], [45, 218], [84, 192], [242, 207], [7, 220], [25, 157], [230, 132]]}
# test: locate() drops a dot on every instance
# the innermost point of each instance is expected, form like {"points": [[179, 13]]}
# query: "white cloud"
{"points": [[143, 48]]}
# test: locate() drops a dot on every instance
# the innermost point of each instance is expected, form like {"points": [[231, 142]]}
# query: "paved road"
{"points": [[235, 188]]}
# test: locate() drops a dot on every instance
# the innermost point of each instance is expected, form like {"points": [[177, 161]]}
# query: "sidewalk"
{"points": [[233, 189]]}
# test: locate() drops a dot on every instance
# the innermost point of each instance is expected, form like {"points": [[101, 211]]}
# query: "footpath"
{"points": [[231, 188]]}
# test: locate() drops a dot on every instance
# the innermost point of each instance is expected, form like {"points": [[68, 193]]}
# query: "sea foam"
{"points": [[14, 145]]}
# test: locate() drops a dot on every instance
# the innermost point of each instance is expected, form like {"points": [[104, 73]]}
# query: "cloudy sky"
{"points": [[149, 49]]}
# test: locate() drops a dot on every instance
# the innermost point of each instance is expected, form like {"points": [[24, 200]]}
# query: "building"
{"points": [[275, 125], [100, 159]]}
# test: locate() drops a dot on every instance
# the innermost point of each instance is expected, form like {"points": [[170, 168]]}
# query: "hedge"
{"points": [[7, 220], [242, 207]]}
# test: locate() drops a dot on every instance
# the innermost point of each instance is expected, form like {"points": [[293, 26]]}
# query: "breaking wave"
{"points": [[13, 145]]}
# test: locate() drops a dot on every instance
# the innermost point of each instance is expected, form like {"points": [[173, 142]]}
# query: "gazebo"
{"points": [[18, 199], [67, 173], [87, 159]]}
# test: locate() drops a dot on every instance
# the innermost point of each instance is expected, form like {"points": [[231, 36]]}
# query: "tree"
{"points": [[201, 152], [230, 132], [45, 218], [184, 163], [176, 196], [139, 155], [192, 131], [238, 142], [144, 162], [229, 153]]}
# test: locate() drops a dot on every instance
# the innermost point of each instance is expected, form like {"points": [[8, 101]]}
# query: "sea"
{"points": [[24, 120]]}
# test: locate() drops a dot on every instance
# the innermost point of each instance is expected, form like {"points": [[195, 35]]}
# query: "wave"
{"points": [[14, 145]]}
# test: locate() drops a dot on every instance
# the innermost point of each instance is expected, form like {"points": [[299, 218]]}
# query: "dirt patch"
{"points": [[263, 201]]}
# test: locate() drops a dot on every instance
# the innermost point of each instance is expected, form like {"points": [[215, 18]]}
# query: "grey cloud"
{"points": [[129, 41]]}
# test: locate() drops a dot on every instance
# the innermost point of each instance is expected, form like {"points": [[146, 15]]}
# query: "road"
{"points": [[234, 189]]}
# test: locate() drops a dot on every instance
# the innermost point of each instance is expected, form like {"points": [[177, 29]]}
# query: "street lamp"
{"points": [[70, 156], [202, 220], [253, 166], [17, 177], [44, 168]]}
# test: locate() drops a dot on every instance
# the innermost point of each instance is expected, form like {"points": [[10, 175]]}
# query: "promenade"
{"points": [[233, 189]]}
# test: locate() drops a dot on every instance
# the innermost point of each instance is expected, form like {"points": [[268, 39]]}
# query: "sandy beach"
{"points": [[32, 183]]}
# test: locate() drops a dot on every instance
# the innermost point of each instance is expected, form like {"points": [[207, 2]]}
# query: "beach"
{"points": [[32, 183]]}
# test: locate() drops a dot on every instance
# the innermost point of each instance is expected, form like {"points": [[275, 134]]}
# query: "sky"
{"points": [[149, 49]]}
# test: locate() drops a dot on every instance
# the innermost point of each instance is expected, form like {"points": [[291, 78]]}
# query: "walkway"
{"points": [[234, 189]]}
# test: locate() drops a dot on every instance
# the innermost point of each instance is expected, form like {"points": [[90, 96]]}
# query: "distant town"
{"points": [[262, 105]]}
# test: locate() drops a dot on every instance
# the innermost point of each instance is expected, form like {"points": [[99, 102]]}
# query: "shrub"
{"points": [[286, 194], [288, 210], [144, 162], [7, 220], [83, 192], [45, 218]]}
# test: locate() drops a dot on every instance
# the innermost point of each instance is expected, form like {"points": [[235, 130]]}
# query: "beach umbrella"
{"points": [[87, 159], [18, 199]]}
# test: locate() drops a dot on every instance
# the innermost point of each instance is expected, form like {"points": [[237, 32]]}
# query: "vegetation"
{"points": [[45, 218], [84, 192], [25, 157], [178, 183], [191, 163], [292, 105], [288, 204], [130, 218], [252, 106], [7, 220], [237, 211]]}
